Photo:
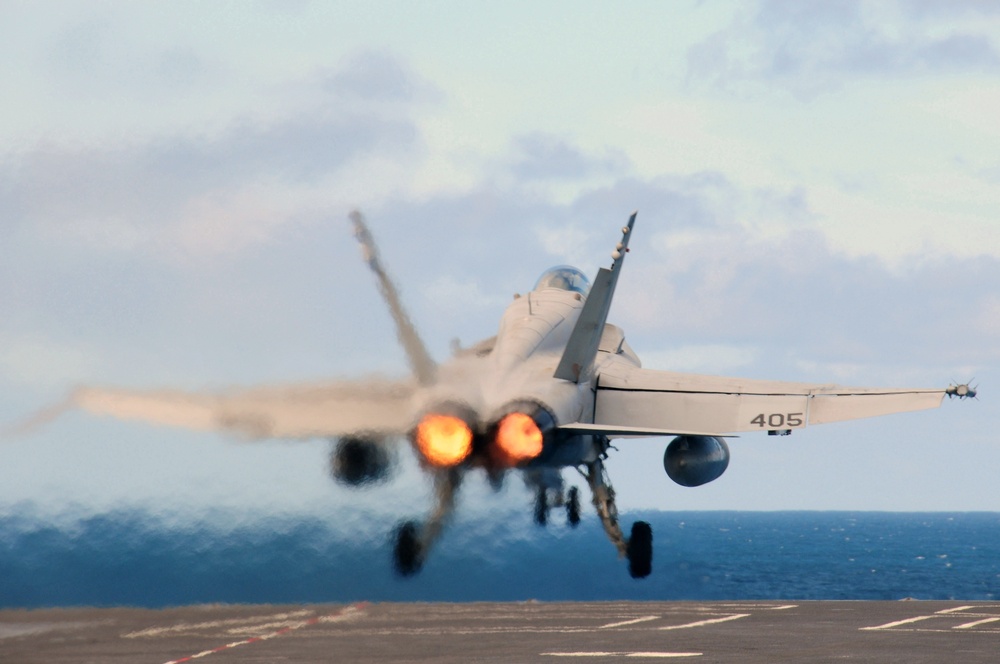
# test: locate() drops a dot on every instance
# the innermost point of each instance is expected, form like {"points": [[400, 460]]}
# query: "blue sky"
{"points": [[817, 186]]}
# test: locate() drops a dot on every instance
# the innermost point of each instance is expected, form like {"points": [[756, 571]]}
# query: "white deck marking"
{"points": [[203, 653], [343, 614], [711, 621], [628, 622], [157, 631], [254, 629], [662, 655], [954, 612], [978, 622], [897, 623], [957, 608]]}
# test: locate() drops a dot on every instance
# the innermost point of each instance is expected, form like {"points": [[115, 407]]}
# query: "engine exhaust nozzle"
{"points": [[521, 434]]}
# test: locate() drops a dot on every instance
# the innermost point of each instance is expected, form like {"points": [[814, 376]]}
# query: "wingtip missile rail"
{"points": [[962, 391]]}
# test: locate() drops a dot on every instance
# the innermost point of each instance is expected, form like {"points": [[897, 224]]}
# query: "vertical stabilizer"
{"points": [[578, 358], [416, 352]]}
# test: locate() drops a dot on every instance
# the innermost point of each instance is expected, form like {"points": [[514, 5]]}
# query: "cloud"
{"points": [[939, 9], [815, 47], [708, 358], [93, 55], [713, 265], [797, 302], [127, 195], [542, 156], [379, 76], [705, 200], [186, 196], [34, 363]]}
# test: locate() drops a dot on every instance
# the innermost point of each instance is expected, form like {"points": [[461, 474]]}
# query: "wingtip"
{"points": [[963, 390], [39, 419]]}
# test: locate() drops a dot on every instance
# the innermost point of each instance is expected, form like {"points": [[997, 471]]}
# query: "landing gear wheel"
{"points": [[573, 507], [408, 554], [639, 550]]}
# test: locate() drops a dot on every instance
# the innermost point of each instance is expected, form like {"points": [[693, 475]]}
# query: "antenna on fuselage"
{"points": [[420, 360], [581, 349]]}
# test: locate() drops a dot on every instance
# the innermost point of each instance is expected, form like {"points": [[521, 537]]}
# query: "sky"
{"points": [[818, 187]]}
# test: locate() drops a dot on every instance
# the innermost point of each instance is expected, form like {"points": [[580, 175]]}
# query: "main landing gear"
{"points": [[638, 549], [413, 540]]}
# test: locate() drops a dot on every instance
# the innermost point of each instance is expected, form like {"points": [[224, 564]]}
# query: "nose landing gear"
{"points": [[571, 502]]}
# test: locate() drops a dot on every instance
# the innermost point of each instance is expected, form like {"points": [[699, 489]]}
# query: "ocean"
{"points": [[135, 557]]}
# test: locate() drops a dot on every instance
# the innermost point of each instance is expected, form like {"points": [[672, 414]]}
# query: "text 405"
{"points": [[778, 420]]}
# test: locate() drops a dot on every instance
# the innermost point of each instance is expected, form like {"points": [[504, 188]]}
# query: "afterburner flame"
{"points": [[443, 440], [519, 438]]}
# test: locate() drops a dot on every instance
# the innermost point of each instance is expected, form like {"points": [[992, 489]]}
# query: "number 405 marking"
{"points": [[778, 420]]}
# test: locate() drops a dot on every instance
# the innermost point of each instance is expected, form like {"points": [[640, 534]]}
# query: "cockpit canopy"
{"points": [[564, 277]]}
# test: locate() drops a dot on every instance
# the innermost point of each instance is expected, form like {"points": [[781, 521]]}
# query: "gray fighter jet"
{"points": [[550, 391]]}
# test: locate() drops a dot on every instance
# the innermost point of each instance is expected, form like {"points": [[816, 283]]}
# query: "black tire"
{"points": [[573, 507], [640, 550], [407, 555]]}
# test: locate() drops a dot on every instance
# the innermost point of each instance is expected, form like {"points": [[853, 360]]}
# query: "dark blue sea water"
{"points": [[133, 557]]}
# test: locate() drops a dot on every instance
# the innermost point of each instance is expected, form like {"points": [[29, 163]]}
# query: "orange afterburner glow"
{"points": [[519, 438], [444, 440]]}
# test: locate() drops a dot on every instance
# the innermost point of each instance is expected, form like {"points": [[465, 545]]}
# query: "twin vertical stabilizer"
{"points": [[578, 358], [420, 359]]}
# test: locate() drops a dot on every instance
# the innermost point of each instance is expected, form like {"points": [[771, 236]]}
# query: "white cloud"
{"points": [[817, 47], [41, 365], [709, 359], [453, 298]]}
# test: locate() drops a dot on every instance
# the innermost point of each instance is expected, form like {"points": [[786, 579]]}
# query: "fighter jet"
{"points": [[549, 392]]}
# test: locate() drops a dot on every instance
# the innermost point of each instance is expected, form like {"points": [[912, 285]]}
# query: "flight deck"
{"points": [[746, 632]]}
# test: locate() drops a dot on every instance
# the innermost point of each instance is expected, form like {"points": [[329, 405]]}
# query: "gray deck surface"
{"points": [[914, 631]]}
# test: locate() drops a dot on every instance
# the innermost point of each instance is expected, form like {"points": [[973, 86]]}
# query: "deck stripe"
{"points": [[250, 622], [957, 608], [978, 622], [651, 655], [629, 622], [344, 613], [711, 621], [897, 623]]}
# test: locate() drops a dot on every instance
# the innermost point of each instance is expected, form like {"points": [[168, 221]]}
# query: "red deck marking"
{"points": [[346, 612]]}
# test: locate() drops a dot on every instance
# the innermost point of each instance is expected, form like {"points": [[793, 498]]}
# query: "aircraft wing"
{"points": [[331, 409], [631, 397]]}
